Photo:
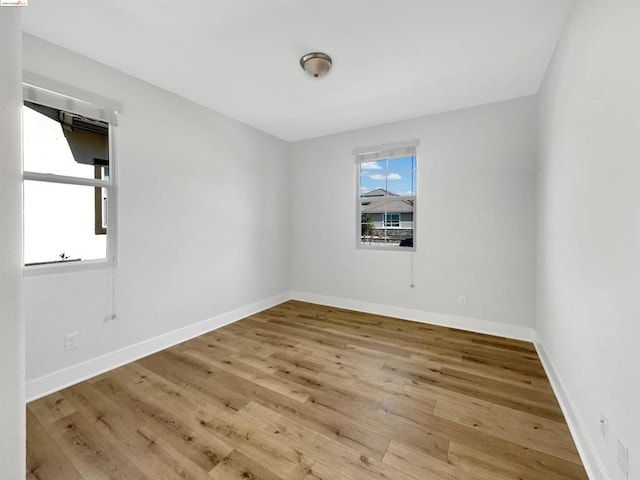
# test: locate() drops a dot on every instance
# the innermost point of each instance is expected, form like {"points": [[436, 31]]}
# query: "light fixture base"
{"points": [[317, 64]]}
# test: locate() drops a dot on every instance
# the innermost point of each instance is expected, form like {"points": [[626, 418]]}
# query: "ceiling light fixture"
{"points": [[316, 63]]}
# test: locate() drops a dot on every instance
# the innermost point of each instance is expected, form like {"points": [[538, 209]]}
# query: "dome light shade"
{"points": [[316, 64]]}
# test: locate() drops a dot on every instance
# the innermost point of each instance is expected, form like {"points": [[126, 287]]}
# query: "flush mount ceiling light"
{"points": [[316, 64]]}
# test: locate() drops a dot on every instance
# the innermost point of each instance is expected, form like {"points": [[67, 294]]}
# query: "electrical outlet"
{"points": [[604, 425], [623, 458], [71, 341], [462, 300]]}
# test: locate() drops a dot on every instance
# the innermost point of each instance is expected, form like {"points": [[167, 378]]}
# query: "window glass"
{"points": [[387, 190], [61, 143], [59, 223]]}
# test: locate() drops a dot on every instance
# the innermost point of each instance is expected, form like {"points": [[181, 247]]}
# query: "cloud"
{"points": [[370, 166], [382, 176]]}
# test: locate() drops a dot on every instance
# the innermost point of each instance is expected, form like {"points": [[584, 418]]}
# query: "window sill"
{"points": [[66, 267], [386, 248]]}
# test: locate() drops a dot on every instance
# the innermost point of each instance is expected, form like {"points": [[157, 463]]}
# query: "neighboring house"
{"points": [[391, 217]]}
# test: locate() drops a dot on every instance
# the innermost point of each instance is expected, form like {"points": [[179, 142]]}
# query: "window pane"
{"points": [[401, 176], [61, 143], [406, 239], [373, 181], [59, 223], [387, 221], [402, 164]]}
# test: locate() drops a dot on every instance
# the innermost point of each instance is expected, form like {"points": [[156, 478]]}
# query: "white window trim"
{"points": [[45, 95], [58, 95], [384, 152]]}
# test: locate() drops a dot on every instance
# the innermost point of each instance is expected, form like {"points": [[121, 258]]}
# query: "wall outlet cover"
{"points": [[71, 341]]}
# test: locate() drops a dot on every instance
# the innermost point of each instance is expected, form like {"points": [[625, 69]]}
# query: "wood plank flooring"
{"points": [[306, 392]]}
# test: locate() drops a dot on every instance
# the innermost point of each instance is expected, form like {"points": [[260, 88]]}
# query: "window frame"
{"points": [[98, 202], [378, 152], [79, 103]]}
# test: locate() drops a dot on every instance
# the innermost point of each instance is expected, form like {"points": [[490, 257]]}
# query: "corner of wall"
{"points": [[12, 324], [588, 454], [464, 323]]}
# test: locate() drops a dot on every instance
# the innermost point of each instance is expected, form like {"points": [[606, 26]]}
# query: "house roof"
{"points": [[382, 203], [379, 192], [396, 206]]}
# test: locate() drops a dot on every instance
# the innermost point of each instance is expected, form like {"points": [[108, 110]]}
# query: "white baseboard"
{"points": [[463, 323], [41, 386], [590, 459]]}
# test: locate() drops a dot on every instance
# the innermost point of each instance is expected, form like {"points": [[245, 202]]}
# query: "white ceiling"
{"points": [[393, 59]]}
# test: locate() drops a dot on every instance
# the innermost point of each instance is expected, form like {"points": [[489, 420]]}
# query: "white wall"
{"points": [[12, 412], [589, 223], [475, 220], [201, 224]]}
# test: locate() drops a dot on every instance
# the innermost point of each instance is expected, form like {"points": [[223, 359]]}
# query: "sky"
{"points": [[396, 175]]}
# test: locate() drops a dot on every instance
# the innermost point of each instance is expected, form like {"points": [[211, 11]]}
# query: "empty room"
{"points": [[319, 239]]}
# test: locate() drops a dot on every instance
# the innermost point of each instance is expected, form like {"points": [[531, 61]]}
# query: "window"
{"points": [[69, 201], [386, 204], [392, 220]]}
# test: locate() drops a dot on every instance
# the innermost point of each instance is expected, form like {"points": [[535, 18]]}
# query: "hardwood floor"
{"points": [[308, 392]]}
